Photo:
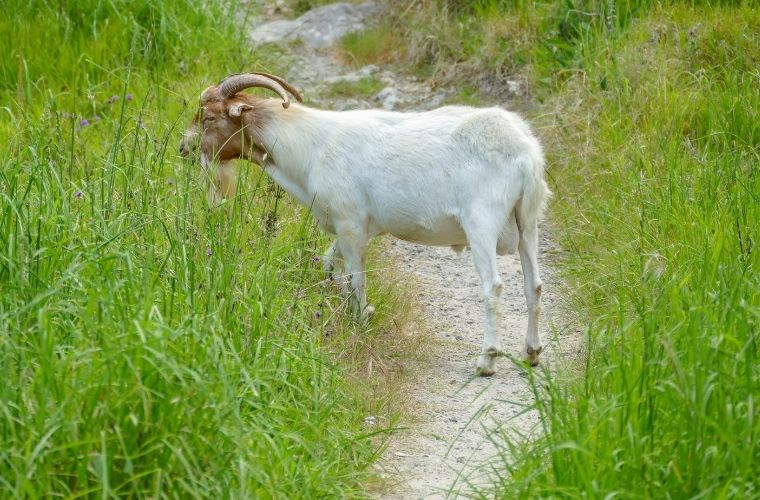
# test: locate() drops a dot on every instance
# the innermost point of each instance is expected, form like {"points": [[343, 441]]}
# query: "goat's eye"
{"points": [[208, 118]]}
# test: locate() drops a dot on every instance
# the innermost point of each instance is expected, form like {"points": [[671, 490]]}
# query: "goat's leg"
{"points": [[328, 259], [528, 247], [331, 266], [352, 244], [482, 241]]}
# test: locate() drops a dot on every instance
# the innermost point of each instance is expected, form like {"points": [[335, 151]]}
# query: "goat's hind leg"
{"points": [[528, 247], [482, 240]]}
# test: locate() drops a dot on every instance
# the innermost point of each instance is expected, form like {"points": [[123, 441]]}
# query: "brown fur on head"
{"points": [[227, 128], [228, 123]]}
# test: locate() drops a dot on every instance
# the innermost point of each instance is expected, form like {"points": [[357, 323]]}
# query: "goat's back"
{"points": [[416, 175]]}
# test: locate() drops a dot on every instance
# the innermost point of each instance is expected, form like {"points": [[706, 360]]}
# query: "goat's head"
{"points": [[216, 127]]}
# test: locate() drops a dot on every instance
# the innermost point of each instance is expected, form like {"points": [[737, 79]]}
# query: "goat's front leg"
{"points": [[331, 266], [329, 258], [352, 244]]}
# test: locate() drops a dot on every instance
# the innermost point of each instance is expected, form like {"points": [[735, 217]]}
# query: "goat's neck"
{"points": [[286, 142], [292, 137]]}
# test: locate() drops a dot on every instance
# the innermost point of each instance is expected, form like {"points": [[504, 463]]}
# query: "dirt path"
{"points": [[439, 452]]}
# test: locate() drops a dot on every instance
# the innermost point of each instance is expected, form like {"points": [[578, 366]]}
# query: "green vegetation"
{"points": [[652, 126], [381, 44], [300, 7], [150, 347], [466, 94], [366, 87]]}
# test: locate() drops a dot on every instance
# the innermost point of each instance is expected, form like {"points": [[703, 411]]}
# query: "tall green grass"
{"points": [[148, 346], [655, 147]]}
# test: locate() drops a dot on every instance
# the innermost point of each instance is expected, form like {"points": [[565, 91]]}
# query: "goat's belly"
{"points": [[444, 231]]}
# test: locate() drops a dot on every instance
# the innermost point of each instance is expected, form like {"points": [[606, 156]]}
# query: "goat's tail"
{"points": [[535, 191], [528, 208]]}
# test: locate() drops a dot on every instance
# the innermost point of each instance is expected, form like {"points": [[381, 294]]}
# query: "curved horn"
{"points": [[235, 83], [285, 85]]}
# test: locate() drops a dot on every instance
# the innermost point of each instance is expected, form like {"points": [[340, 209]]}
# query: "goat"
{"points": [[454, 176]]}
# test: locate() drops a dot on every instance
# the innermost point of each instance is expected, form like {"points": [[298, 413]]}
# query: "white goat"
{"points": [[455, 176]]}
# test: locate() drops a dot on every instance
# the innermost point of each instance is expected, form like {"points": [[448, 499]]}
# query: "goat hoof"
{"points": [[533, 354], [532, 351], [487, 362]]}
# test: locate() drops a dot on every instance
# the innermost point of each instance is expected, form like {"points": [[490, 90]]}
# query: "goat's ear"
{"points": [[238, 108]]}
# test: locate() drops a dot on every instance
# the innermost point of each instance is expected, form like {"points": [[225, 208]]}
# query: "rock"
{"points": [[354, 76], [370, 420], [319, 27], [389, 97], [278, 8], [437, 99], [344, 104], [514, 87]]}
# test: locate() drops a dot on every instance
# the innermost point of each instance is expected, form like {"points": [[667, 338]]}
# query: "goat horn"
{"points": [[285, 85], [235, 83]]}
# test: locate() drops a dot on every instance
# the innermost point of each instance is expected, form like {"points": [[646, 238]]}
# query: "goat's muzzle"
{"points": [[188, 143]]}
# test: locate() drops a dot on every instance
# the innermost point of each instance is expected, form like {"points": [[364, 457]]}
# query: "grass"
{"points": [[365, 87], [149, 346], [381, 44], [654, 145], [467, 95], [300, 7]]}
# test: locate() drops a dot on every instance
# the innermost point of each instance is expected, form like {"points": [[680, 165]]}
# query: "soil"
{"points": [[447, 448]]}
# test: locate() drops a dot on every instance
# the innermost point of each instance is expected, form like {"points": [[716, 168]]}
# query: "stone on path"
{"points": [[320, 27]]}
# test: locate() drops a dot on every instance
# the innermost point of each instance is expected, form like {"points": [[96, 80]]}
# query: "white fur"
{"points": [[456, 176]]}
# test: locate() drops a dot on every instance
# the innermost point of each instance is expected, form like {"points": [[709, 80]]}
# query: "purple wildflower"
{"points": [[129, 97], [315, 259], [318, 314], [78, 195], [84, 122], [113, 99], [209, 252]]}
